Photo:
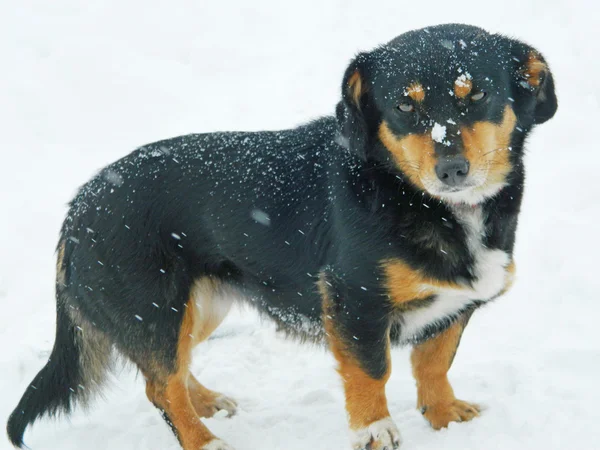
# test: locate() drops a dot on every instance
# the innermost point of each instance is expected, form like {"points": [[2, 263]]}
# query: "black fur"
{"points": [[270, 212], [68, 376], [50, 390]]}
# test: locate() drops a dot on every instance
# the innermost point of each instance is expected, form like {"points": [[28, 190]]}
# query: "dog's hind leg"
{"points": [[175, 391], [210, 302]]}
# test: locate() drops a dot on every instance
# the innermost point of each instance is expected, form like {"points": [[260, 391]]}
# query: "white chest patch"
{"points": [[490, 272]]}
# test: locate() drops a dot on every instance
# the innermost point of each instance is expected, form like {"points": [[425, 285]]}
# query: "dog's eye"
{"points": [[406, 107], [478, 96]]}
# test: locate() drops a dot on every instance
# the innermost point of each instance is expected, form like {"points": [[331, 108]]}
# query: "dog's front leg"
{"points": [[431, 361], [357, 328]]}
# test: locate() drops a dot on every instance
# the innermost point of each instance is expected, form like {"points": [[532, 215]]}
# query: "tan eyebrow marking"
{"points": [[416, 92], [462, 86]]}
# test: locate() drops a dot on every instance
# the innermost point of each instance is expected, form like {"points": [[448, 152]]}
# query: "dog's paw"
{"points": [[217, 444], [441, 414], [218, 405], [224, 403], [380, 435]]}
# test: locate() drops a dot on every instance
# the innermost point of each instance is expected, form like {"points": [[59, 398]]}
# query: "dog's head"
{"points": [[448, 107]]}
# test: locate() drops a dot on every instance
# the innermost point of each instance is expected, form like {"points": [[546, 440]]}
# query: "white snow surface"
{"points": [[84, 83]]}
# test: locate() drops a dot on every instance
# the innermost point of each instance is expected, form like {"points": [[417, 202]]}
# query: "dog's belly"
{"points": [[493, 277]]}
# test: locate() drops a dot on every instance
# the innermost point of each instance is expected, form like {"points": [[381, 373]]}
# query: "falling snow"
{"points": [[77, 97]]}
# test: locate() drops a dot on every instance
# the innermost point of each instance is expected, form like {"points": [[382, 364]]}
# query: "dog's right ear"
{"points": [[351, 110], [535, 95]]}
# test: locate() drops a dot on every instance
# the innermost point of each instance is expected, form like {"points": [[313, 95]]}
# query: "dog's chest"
{"points": [[490, 276]]}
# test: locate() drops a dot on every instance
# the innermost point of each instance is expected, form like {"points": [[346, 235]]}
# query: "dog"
{"points": [[387, 223]]}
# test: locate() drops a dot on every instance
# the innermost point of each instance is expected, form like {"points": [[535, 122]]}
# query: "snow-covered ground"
{"points": [[83, 83]]}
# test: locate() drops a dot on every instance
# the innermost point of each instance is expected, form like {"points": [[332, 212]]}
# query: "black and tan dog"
{"points": [[389, 223]]}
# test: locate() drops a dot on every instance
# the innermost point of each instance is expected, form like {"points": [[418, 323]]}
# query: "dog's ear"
{"points": [[534, 84], [354, 106]]}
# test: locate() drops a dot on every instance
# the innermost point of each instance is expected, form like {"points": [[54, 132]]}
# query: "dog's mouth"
{"points": [[475, 189], [450, 190], [436, 187]]}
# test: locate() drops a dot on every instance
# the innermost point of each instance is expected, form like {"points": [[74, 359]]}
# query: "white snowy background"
{"points": [[84, 83]]}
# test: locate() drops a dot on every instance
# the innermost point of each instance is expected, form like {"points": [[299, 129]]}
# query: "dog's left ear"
{"points": [[534, 84]]}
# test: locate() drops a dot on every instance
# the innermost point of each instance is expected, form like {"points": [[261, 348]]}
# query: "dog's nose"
{"points": [[452, 170]]}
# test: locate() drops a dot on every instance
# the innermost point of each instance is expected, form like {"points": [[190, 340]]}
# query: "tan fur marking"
{"points": [[60, 269], [365, 396], [414, 154], [486, 147], [405, 284], [510, 277], [206, 402], [202, 398], [534, 68], [416, 92], [462, 86], [209, 308], [323, 290], [174, 400], [190, 327], [95, 351], [355, 87], [511, 268], [172, 393], [431, 361]]}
